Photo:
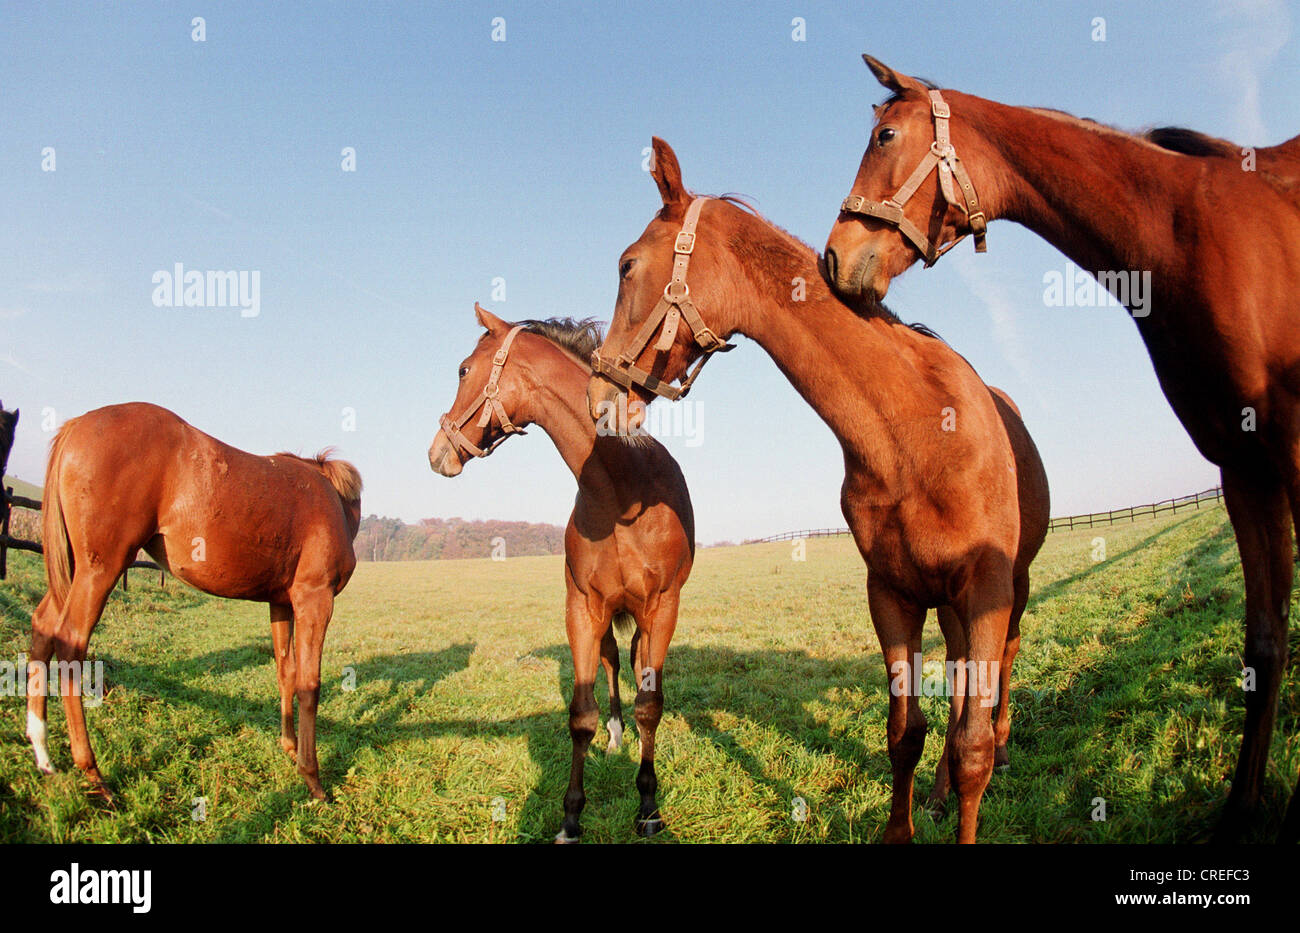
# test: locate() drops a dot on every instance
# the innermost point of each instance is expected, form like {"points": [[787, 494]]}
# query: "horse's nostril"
{"points": [[832, 263]]}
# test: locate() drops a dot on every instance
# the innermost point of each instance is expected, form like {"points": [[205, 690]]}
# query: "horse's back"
{"points": [[224, 520]]}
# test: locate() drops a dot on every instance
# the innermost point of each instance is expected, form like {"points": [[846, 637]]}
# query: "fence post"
{"points": [[4, 530]]}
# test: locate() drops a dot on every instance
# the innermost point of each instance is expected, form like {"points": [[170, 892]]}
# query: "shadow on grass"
{"points": [[339, 739]]}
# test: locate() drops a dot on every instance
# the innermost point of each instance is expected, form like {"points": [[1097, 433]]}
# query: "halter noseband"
{"points": [[674, 305], [490, 403], [942, 156]]}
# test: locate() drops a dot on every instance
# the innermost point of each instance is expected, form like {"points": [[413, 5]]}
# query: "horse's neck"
{"points": [[560, 409], [851, 372], [1099, 196]]}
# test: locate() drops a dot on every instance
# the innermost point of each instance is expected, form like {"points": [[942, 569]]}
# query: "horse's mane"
{"points": [[577, 338], [762, 258], [342, 475], [1190, 142]]}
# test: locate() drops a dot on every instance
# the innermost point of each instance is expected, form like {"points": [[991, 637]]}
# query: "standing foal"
{"points": [[630, 540]]}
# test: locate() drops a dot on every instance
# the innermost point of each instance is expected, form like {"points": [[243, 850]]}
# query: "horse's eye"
{"points": [[464, 371], [625, 267], [886, 135]]}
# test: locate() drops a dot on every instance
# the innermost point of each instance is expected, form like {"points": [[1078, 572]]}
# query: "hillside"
{"points": [[453, 538]]}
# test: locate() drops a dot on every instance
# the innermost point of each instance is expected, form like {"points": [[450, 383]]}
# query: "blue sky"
{"points": [[522, 160]]}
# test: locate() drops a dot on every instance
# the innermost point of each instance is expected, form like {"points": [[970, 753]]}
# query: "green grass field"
{"points": [[1126, 688]]}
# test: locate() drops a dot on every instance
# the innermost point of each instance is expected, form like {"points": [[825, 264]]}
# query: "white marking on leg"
{"points": [[615, 734], [36, 732]]}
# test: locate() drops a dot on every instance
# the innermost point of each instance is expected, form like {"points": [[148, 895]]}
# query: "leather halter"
{"points": [[489, 401], [942, 156], [674, 305]]}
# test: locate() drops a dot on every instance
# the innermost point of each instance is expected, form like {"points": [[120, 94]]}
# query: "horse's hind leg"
{"points": [[1002, 719], [609, 659], [656, 629], [898, 625], [312, 609], [45, 621], [585, 639], [286, 673], [954, 639], [91, 587]]}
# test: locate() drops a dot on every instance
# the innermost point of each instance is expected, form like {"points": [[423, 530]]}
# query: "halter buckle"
{"points": [[685, 243], [940, 109], [853, 203]]}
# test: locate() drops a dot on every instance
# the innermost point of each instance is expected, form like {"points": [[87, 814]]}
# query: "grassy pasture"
{"points": [[1126, 688]]}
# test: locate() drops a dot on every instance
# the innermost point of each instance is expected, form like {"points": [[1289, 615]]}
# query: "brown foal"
{"points": [[943, 489], [1216, 228], [270, 529], [630, 540]]}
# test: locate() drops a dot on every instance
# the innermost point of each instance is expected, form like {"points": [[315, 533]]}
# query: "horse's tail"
{"points": [[342, 475], [54, 529], [624, 622]]}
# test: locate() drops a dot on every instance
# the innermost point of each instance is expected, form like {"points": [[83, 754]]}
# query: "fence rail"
{"points": [[1064, 523], [9, 502]]}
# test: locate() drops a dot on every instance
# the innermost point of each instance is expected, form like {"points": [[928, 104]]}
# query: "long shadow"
{"points": [[697, 682], [1113, 686], [339, 739]]}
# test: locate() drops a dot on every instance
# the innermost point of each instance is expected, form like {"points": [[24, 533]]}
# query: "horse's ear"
{"points": [[491, 323], [667, 173], [894, 80]]}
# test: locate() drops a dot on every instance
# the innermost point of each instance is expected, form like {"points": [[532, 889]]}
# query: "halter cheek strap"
{"points": [[488, 400], [942, 157], [674, 305]]}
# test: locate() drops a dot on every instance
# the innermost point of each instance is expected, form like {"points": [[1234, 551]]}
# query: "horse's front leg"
{"points": [[585, 637], [985, 611], [656, 629], [898, 623]]}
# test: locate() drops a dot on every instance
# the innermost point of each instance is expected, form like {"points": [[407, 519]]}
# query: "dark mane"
{"points": [[1189, 142], [578, 338], [762, 257]]}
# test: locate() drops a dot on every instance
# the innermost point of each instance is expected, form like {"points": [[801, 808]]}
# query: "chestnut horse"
{"points": [[943, 488], [629, 543], [1216, 227], [271, 529]]}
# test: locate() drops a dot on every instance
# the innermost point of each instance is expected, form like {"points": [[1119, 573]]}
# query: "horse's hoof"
{"points": [[46, 768], [290, 749], [650, 827], [562, 838], [100, 793], [1002, 768], [937, 810]]}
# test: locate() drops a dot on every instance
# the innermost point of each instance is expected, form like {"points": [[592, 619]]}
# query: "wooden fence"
{"points": [[9, 502], [1064, 523]]}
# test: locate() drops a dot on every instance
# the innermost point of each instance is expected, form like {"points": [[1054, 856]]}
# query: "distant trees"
{"points": [[452, 538]]}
